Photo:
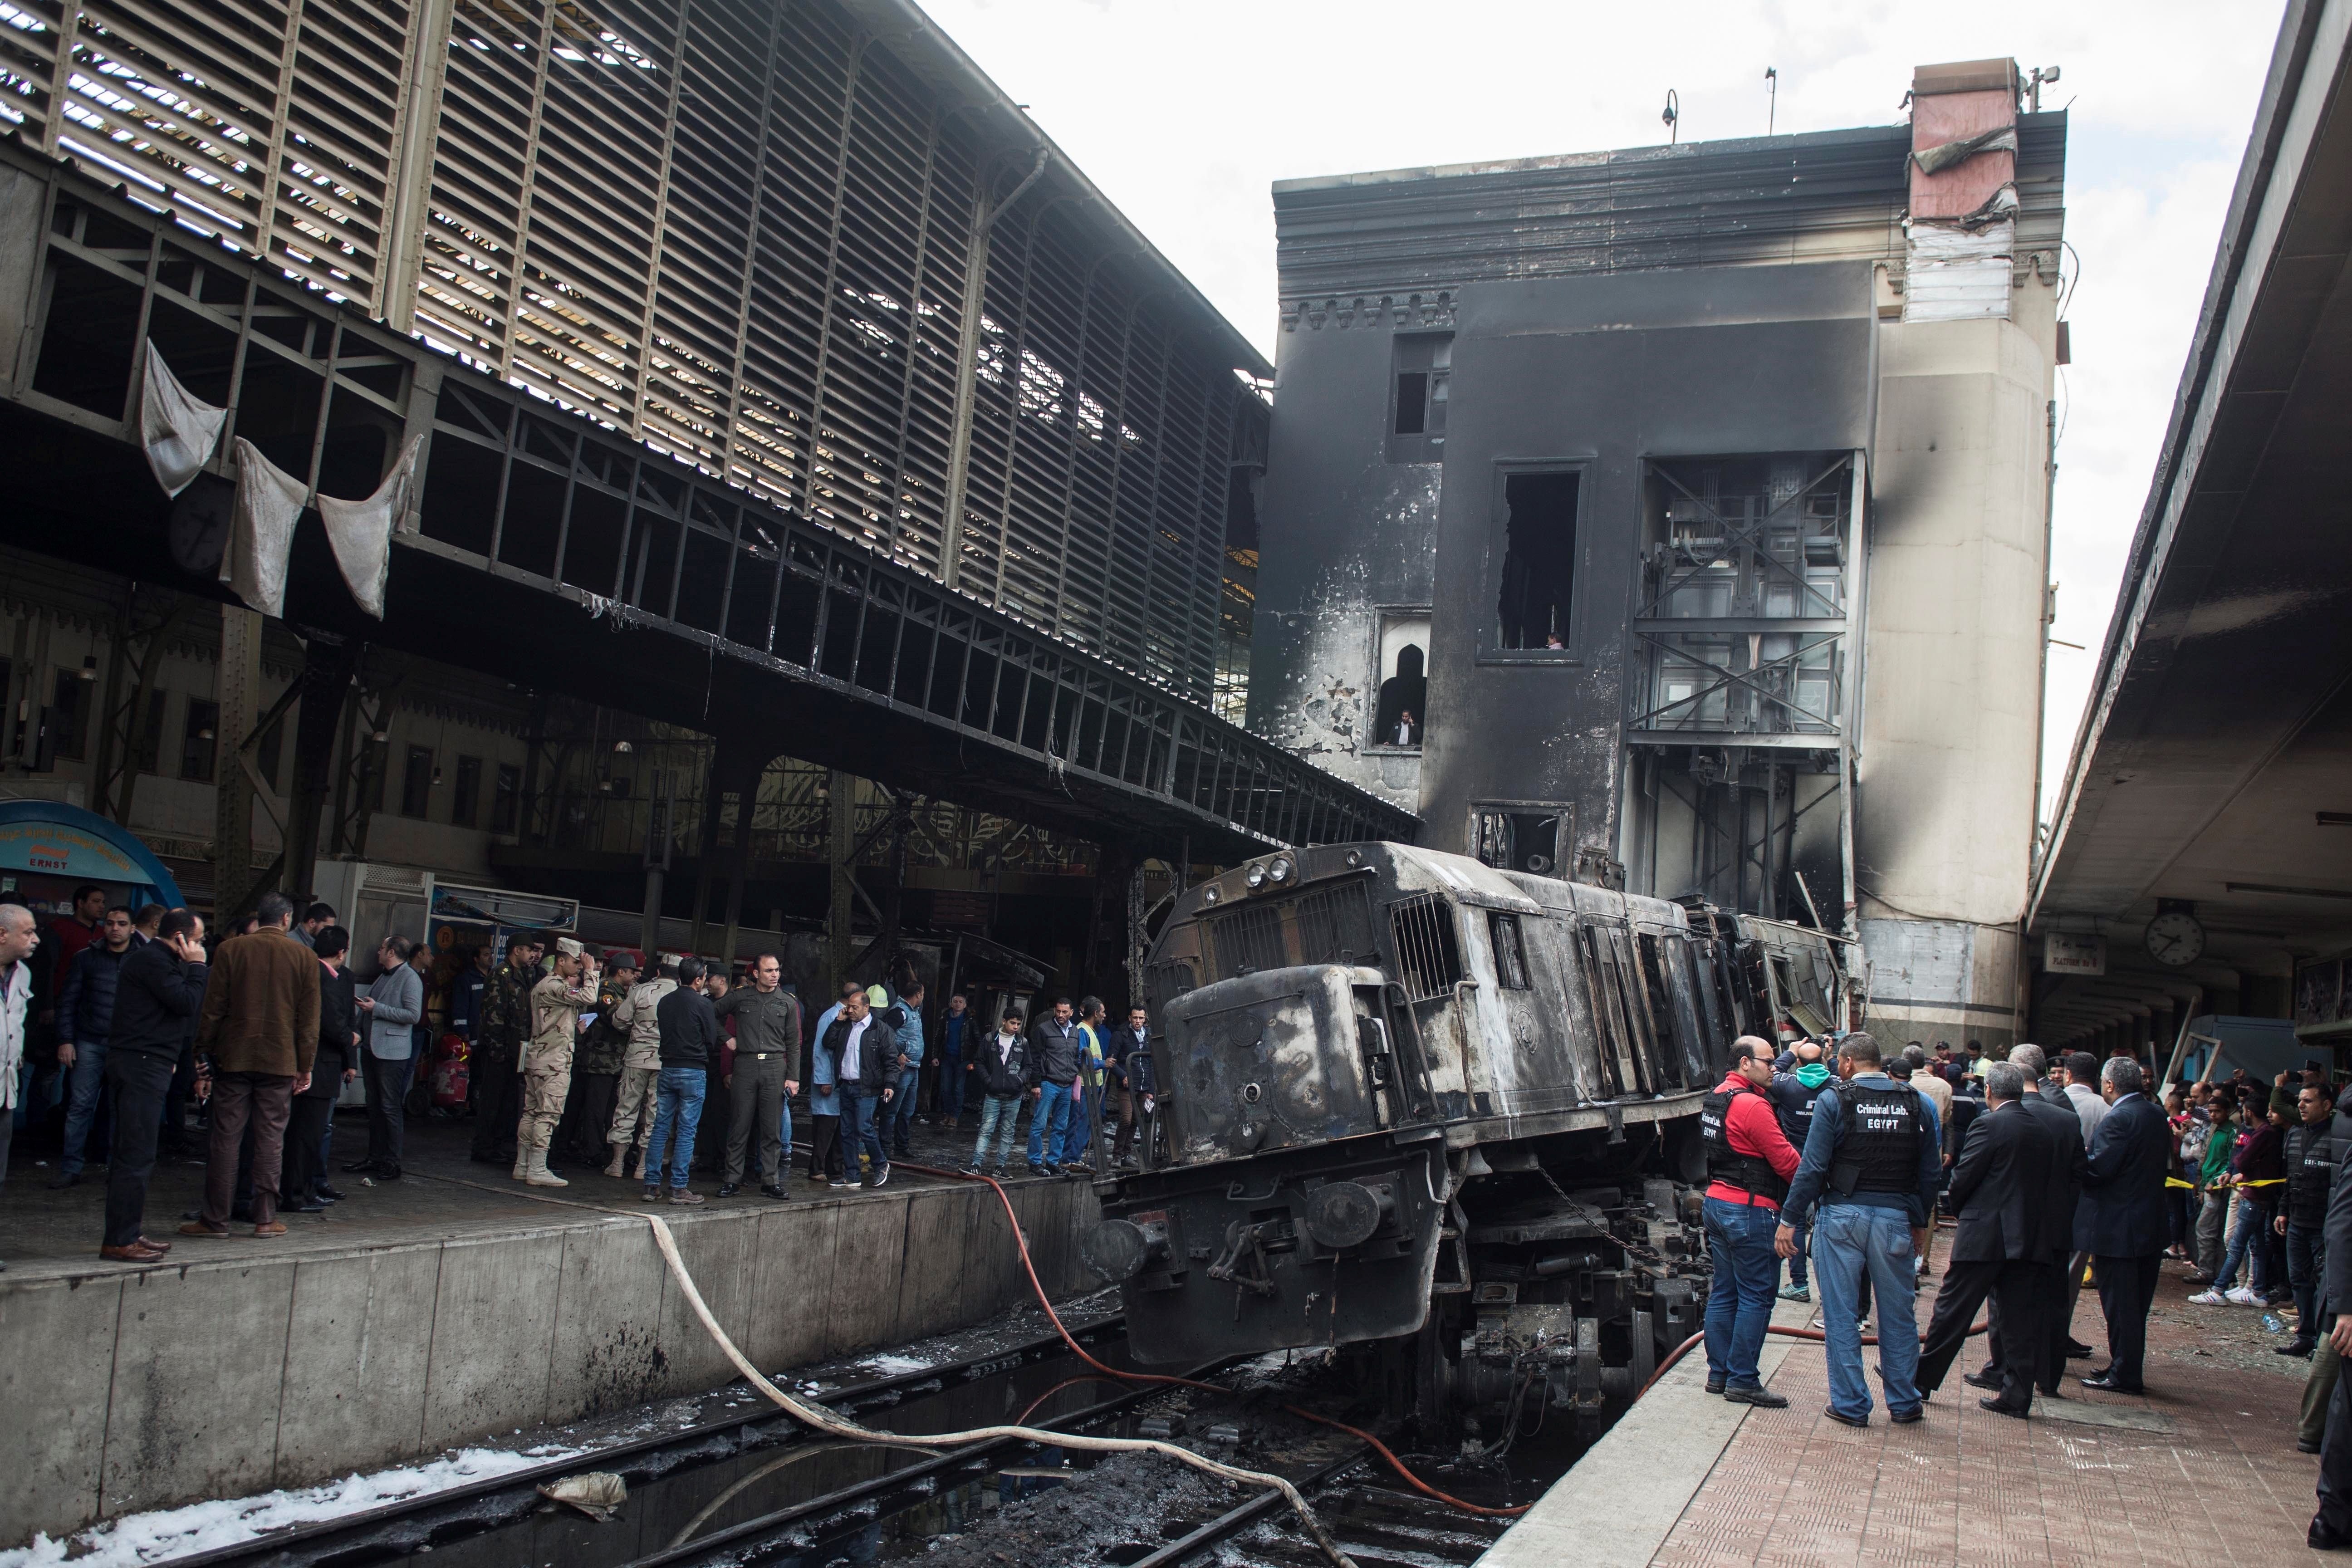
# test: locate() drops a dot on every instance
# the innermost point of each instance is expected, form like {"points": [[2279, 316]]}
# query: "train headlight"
{"points": [[1256, 878], [1280, 870], [1209, 894]]}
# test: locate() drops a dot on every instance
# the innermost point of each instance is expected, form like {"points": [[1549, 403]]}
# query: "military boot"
{"points": [[537, 1174]]}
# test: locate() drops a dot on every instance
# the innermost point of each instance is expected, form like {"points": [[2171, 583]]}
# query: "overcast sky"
{"points": [[1184, 114]]}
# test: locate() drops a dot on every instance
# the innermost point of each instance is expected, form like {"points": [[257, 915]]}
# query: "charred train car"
{"points": [[1442, 1113]]}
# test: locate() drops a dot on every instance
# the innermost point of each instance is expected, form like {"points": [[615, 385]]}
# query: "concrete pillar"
{"points": [[326, 682], [239, 697], [841, 838]]}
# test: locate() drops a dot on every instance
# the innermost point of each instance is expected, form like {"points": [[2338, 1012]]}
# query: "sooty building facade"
{"points": [[1678, 518]]}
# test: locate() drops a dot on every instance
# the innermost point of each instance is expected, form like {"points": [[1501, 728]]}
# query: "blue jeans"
{"points": [[1851, 1242], [2306, 1254], [900, 1111], [1739, 1299], [2249, 1245], [1797, 1264], [950, 1084], [999, 1119], [858, 1115], [87, 1083], [677, 1109], [1053, 1116]]}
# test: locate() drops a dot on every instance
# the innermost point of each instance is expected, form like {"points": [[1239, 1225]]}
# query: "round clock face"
{"points": [[2175, 938]]}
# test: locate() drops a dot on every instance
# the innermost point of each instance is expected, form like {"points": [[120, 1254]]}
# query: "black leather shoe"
{"points": [[2323, 1539], [1908, 1417], [328, 1192], [2104, 1382], [772, 1190], [2302, 1348], [365, 1168], [1762, 1398], [311, 1207], [59, 1184], [2078, 1350], [1844, 1420], [2001, 1407], [2303, 1445], [730, 1190], [1982, 1380], [1715, 1385]]}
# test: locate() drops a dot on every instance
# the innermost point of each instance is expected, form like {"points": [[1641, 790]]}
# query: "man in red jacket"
{"points": [[1749, 1163]]}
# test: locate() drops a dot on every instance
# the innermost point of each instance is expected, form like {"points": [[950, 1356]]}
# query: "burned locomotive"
{"points": [[1441, 1116]]}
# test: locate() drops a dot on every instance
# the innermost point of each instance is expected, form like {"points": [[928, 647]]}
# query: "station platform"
{"points": [[452, 1306], [2203, 1468]]}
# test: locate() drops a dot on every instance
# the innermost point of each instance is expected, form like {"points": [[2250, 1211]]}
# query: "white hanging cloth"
{"points": [[178, 429], [360, 530], [269, 502]]}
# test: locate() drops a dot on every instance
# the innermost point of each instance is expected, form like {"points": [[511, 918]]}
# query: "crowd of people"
{"points": [[569, 1056], [2052, 1172]]}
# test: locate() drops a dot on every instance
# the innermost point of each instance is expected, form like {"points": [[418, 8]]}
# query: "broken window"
{"points": [[1419, 385], [1518, 837], [1539, 575], [1401, 716]]}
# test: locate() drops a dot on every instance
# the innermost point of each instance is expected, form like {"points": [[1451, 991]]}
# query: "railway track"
{"points": [[1379, 1526], [478, 1522]]}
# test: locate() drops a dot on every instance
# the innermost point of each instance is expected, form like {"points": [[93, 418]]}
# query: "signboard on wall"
{"points": [[2074, 952]]}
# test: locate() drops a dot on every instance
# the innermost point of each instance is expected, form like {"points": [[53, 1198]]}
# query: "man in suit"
{"points": [[2000, 1188], [259, 1022], [2056, 1342], [2121, 1222], [2331, 1527]]}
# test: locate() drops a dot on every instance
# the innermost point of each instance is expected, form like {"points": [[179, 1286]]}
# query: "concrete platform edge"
{"points": [[1615, 1508], [129, 1391]]}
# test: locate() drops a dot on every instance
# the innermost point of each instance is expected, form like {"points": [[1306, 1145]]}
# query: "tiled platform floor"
{"points": [[2208, 1475]]}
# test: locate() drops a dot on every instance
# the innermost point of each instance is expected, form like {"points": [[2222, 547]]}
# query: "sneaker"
{"points": [[882, 1176], [1047, 1169], [2243, 1296], [1796, 1292], [968, 1170], [653, 1195], [841, 1183], [1037, 1170], [682, 1196], [2209, 1298]]}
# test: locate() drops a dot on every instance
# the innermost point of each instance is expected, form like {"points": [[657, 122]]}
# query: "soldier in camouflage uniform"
{"points": [[596, 1065], [498, 1048], [633, 1111], [556, 1004]]}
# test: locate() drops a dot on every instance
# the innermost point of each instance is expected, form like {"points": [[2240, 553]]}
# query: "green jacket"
{"points": [[2220, 1145]]}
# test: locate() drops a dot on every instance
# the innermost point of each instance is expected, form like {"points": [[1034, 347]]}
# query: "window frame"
{"points": [[1432, 354], [1382, 616], [190, 713], [416, 783], [1489, 640], [465, 797]]}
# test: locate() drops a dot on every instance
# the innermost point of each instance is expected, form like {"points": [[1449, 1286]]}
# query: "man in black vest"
{"points": [[2000, 1186], [1793, 1093], [2121, 1221], [1747, 1165], [2310, 1173], [1873, 1161]]}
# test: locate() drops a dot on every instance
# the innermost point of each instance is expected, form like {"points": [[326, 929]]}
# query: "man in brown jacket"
{"points": [[261, 1027]]}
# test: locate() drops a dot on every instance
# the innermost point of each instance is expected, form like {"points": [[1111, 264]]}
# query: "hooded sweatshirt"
{"points": [[1792, 1097]]}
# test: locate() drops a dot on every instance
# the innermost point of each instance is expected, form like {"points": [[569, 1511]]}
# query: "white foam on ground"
{"points": [[158, 1537]]}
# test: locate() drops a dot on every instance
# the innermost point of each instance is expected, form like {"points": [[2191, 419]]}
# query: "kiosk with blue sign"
{"points": [[48, 848]]}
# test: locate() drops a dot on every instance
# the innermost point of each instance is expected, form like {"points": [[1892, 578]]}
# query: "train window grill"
{"points": [[1429, 954], [1249, 938], [1664, 1026], [1335, 926], [1163, 982], [1618, 1053]]}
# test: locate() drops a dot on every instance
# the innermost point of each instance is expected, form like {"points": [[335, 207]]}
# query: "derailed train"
{"points": [[1443, 1117]]}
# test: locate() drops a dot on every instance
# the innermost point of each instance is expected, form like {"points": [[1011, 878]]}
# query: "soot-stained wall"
{"points": [[1595, 372]]}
